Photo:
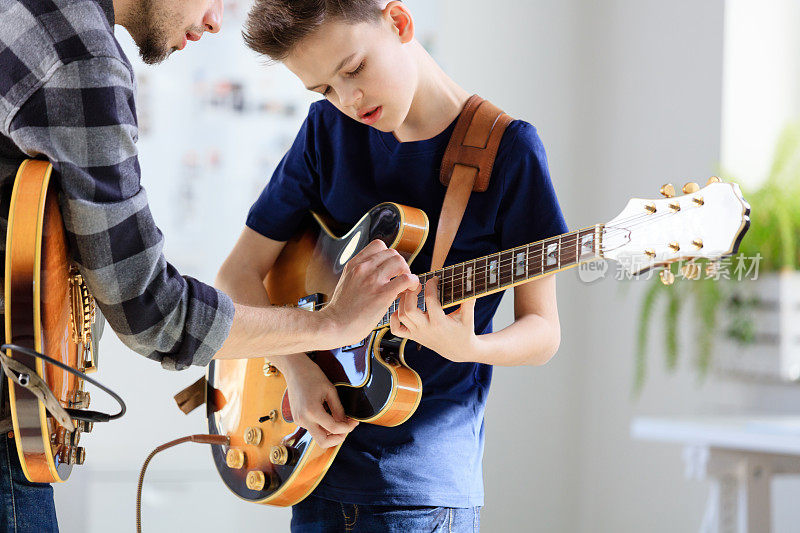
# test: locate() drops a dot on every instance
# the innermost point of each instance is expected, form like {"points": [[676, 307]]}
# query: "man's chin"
{"points": [[152, 53]]}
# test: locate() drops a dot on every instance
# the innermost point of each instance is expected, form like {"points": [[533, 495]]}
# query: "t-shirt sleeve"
{"points": [[292, 191], [529, 209]]}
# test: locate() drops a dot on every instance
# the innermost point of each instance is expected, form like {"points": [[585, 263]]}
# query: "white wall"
{"points": [[627, 95]]}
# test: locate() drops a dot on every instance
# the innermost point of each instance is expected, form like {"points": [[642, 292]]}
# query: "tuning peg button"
{"points": [[713, 179], [668, 190], [690, 188], [667, 277]]}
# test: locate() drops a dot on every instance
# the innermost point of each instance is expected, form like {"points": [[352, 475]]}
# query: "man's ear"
{"points": [[400, 17]]}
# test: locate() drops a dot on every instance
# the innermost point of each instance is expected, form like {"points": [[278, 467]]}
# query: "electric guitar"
{"points": [[47, 309], [271, 460]]}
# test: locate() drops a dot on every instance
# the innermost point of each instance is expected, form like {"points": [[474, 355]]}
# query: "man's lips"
{"points": [[189, 36]]}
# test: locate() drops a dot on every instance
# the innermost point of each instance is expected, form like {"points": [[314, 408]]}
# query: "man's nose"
{"points": [[212, 21]]}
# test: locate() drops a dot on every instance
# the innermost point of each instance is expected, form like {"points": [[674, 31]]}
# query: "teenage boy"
{"points": [[379, 135], [67, 95]]}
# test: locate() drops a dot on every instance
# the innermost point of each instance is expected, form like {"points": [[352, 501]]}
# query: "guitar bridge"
{"points": [[84, 314]]}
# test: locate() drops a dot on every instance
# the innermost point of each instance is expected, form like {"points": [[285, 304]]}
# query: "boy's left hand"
{"points": [[450, 335]]}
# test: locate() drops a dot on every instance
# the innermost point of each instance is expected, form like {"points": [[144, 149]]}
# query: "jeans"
{"points": [[317, 515], [25, 507]]}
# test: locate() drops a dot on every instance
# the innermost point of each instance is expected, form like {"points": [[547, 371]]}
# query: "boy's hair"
{"points": [[274, 27]]}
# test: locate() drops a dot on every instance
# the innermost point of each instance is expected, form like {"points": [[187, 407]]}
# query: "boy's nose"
{"points": [[352, 98], [212, 20]]}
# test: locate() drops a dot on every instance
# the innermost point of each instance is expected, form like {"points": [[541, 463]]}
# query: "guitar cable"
{"points": [[77, 414], [219, 440]]}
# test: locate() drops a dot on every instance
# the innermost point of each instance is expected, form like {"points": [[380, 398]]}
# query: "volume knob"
{"points": [[234, 459]]}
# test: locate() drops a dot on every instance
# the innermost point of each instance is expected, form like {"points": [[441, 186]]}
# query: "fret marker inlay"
{"points": [[552, 254]]}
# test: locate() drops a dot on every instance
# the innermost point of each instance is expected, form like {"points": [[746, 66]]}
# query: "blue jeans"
{"points": [[317, 515], [25, 507]]}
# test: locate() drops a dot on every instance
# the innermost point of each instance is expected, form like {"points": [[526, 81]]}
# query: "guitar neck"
{"points": [[500, 271]]}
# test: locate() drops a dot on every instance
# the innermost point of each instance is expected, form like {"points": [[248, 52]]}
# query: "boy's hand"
{"points": [[370, 282], [309, 392], [450, 335]]}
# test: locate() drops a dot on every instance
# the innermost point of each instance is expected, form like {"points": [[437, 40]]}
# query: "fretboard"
{"points": [[500, 271]]}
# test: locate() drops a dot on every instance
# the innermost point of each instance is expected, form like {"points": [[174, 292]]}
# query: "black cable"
{"points": [[77, 414]]}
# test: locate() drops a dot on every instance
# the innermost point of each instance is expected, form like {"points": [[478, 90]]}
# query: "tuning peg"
{"points": [[690, 188], [697, 243], [667, 277], [674, 246], [713, 179], [668, 190]]}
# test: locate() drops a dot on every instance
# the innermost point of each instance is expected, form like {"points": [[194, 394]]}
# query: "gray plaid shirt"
{"points": [[67, 96]]}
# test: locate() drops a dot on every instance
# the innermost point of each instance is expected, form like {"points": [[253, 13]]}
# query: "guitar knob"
{"points": [[85, 426], [691, 188], [712, 180], [667, 277], [253, 436], [279, 455], [258, 480], [80, 455], [234, 458], [668, 190]]}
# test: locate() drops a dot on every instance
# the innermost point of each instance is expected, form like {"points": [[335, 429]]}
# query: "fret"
{"points": [[447, 286], [481, 275], [458, 282], [506, 268], [470, 276]]}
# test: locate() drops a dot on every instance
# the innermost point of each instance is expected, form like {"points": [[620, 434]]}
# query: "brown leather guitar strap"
{"points": [[467, 166]]}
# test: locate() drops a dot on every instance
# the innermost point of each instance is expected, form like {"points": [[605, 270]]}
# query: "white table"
{"points": [[739, 455]]}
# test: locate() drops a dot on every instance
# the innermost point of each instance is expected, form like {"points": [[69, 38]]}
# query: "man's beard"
{"points": [[149, 28]]}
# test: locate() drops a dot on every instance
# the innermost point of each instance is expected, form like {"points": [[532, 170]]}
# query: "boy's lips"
{"points": [[370, 115]]}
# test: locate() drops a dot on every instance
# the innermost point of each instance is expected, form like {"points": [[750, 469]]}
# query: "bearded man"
{"points": [[67, 96]]}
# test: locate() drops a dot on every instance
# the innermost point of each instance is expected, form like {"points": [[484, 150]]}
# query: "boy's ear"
{"points": [[400, 17]]}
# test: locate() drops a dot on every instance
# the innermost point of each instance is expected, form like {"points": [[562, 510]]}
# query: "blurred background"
{"points": [[628, 427]]}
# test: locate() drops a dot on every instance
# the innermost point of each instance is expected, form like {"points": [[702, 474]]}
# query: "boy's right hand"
{"points": [[370, 282], [309, 392]]}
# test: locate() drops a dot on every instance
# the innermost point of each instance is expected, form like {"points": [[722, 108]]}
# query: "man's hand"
{"points": [[309, 393], [370, 282], [450, 335]]}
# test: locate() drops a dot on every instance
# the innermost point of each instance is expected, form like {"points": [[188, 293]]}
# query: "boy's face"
{"points": [[159, 27], [363, 69]]}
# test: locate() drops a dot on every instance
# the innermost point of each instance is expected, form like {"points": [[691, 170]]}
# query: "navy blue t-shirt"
{"points": [[343, 168]]}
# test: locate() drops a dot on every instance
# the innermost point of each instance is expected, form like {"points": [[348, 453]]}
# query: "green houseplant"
{"points": [[774, 236]]}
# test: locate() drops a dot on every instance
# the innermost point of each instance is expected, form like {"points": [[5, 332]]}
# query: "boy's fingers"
{"points": [[434, 307]]}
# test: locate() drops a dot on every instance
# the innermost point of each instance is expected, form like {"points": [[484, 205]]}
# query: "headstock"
{"points": [[706, 223]]}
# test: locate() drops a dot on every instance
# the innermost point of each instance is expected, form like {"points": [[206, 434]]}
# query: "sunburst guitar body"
{"points": [[47, 309], [270, 459]]}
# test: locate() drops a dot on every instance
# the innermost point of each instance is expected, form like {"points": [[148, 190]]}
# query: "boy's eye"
{"points": [[357, 71]]}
